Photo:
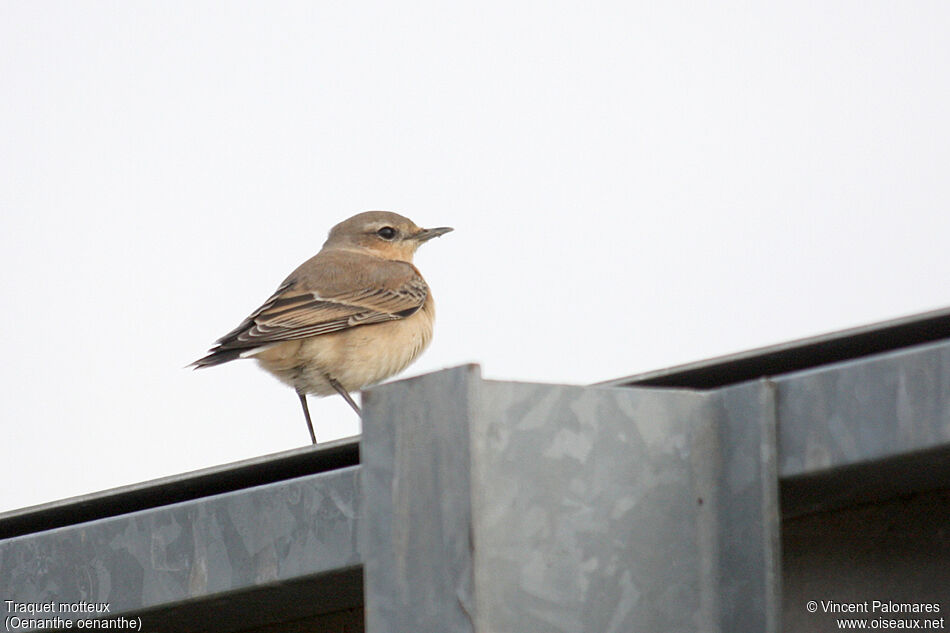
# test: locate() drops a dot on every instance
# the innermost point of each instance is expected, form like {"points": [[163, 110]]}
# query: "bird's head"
{"points": [[383, 234]]}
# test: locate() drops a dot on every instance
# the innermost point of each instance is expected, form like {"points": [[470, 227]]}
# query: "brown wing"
{"points": [[329, 293]]}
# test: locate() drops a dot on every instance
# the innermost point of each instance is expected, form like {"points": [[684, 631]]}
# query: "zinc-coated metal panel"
{"points": [[512, 506], [255, 471], [416, 507], [866, 410], [256, 537]]}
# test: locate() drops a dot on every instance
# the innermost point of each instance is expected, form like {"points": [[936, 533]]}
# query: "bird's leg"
{"points": [[306, 414], [343, 392]]}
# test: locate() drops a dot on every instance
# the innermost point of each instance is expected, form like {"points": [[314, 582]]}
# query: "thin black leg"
{"points": [[343, 392], [306, 414]]}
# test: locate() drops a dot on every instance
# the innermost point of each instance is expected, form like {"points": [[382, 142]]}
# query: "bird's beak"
{"points": [[427, 234]]}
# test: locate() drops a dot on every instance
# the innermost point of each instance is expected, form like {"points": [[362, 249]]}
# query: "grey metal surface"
{"points": [[276, 533], [595, 510], [815, 351], [749, 511], [417, 515], [887, 406], [494, 507], [255, 471]]}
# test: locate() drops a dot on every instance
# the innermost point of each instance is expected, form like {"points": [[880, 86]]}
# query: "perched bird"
{"points": [[349, 317]]}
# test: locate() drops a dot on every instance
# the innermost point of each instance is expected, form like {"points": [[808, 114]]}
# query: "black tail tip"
{"points": [[216, 357]]}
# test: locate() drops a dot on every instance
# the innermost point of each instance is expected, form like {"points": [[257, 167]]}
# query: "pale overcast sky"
{"points": [[633, 185]]}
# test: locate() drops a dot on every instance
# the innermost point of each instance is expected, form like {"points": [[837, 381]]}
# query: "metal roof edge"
{"points": [[804, 353], [205, 482]]}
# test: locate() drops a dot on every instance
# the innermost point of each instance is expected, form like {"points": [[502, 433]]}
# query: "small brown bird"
{"points": [[349, 317]]}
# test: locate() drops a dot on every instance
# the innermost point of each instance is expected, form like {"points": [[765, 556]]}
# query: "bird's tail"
{"points": [[217, 356]]}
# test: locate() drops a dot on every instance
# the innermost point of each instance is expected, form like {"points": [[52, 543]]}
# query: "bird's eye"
{"points": [[387, 232]]}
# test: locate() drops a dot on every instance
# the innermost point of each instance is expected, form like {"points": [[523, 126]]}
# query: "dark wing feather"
{"points": [[294, 313]]}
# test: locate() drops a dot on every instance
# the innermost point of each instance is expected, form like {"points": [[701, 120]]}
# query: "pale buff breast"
{"points": [[355, 358]]}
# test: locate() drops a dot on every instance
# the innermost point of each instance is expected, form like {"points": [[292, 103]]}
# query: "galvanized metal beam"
{"points": [[297, 530], [806, 353], [509, 506], [892, 405], [183, 487]]}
